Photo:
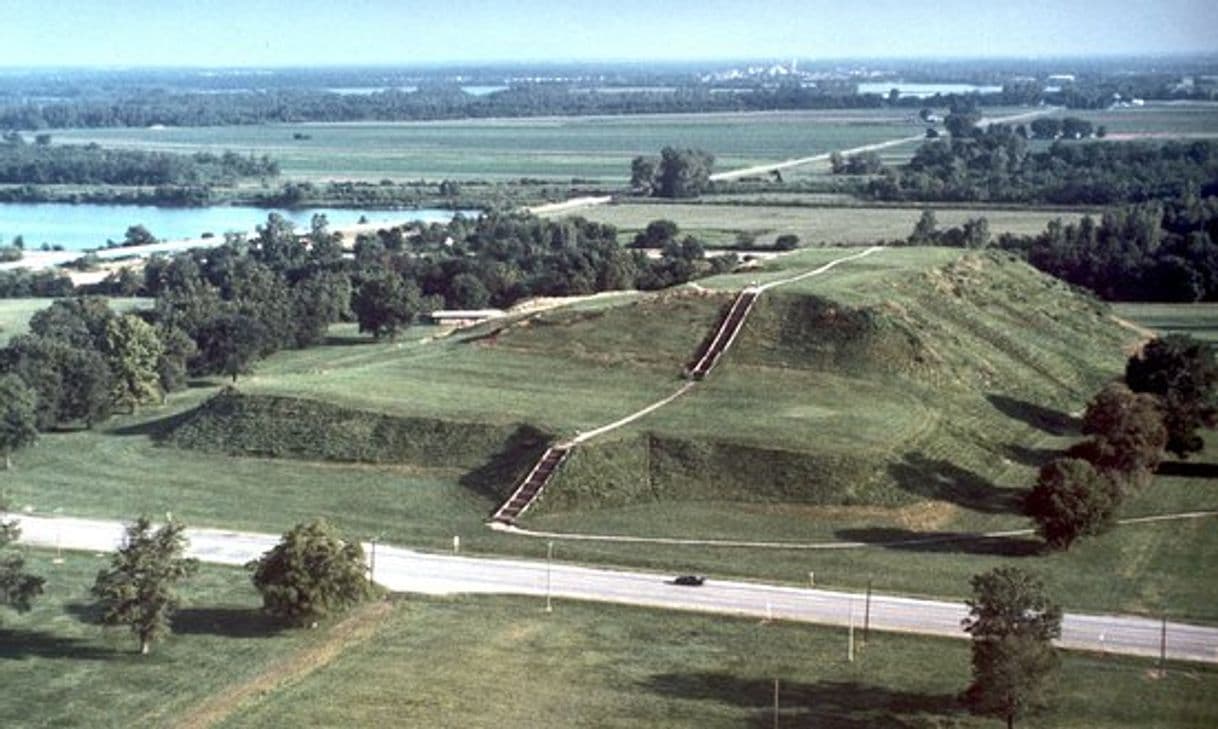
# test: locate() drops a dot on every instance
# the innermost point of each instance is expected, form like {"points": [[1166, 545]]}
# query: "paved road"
{"points": [[405, 570]]}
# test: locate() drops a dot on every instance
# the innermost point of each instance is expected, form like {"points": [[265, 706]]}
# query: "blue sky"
{"points": [[325, 32]]}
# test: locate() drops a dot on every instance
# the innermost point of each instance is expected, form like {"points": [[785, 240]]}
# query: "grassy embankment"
{"points": [[922, 400], [424, 662]]}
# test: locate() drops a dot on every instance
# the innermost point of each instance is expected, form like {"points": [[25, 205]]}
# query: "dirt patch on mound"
{"points": [[923, 516]]}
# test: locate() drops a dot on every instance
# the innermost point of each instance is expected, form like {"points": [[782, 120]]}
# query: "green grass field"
{"points": [[554, 148], [60, 669], [934, 422], [720, 224], [1157, 119], [424, 662], [606, 666], [1196, 320], [15, 313]]}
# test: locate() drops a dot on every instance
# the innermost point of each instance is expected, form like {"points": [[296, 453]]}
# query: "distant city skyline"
{"points": [[235, 33]]}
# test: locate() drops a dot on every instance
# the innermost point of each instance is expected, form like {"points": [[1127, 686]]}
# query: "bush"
{"points": [[311, 574]]}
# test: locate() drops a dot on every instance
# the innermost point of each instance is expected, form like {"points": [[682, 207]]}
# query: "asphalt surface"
{"points": [[404, 570]]}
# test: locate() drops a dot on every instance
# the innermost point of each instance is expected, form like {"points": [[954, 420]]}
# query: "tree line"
{"points": [[1169, 393], [219, 310], [1160, 251], [997, 164], [45, 164]]}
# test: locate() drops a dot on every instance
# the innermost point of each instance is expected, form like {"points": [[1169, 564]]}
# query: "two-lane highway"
{"points": [[405, 570]]}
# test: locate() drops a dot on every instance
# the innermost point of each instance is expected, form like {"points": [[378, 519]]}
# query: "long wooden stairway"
{"points": [[530, 488], [725, 335]]}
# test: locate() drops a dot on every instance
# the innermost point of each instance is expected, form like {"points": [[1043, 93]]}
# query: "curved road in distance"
{"points": [[405, 570]]}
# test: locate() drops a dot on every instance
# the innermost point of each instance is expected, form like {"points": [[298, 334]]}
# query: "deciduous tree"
{"points": [[18, 588], [1072, 499], [310, 574], [1183, 373], [18, 417], [138, 590], [1012, 623]]}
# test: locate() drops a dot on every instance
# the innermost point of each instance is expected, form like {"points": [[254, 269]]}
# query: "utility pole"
{"points": [[372, 561], [775, 703], [549, 557], [867, 614], [850, 638], [1163, 647]]}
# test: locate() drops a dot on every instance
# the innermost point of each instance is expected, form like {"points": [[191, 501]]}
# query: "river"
{"points": [[82, 227]]}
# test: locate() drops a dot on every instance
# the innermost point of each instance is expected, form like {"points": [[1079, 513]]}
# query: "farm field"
{"points": [[594, 148], [1196, 320], [1162, 119], [590, 664], [719, 224]]}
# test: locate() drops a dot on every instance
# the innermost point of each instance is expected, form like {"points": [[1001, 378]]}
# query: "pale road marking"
{"points": [[807, 546], [405, 570], [568, 205], [763, 169]]}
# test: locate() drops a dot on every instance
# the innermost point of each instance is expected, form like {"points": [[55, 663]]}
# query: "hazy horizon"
{"points": [[313, 33]]}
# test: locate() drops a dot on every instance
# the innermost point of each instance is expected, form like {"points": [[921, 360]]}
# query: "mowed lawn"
{"points": [[719, 224], [61, 669], [558, 148], [503, 663]]}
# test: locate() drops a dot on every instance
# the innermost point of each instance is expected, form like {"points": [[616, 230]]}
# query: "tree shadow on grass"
{"points": [[943, 542], [156, 428], [945, 481], [1187, 469], [504, 469], [348, 340], [825, 704], [1042, 418], [1035, 457], [226, 622], [16, 645]]}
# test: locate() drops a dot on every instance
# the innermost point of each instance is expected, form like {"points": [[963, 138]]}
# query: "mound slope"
{"points": [[918, 382]]}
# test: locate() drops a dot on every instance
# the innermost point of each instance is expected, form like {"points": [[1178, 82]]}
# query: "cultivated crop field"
{"points": [[1196, 320], [1160, 120], [717, 224], [594, 148]]}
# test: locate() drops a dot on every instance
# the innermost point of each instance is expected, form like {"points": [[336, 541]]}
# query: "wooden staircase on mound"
{"points": [[530, 488], [725, 335]]}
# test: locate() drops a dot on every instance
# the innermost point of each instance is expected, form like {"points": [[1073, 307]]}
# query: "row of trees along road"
{"points": [[310, 575], [1170, 392]]}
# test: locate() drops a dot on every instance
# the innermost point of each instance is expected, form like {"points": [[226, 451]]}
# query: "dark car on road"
{"points": [[689, 580]]}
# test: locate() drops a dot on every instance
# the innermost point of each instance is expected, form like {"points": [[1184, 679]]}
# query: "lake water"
{"points": [[81, 227], [923, 91]]}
